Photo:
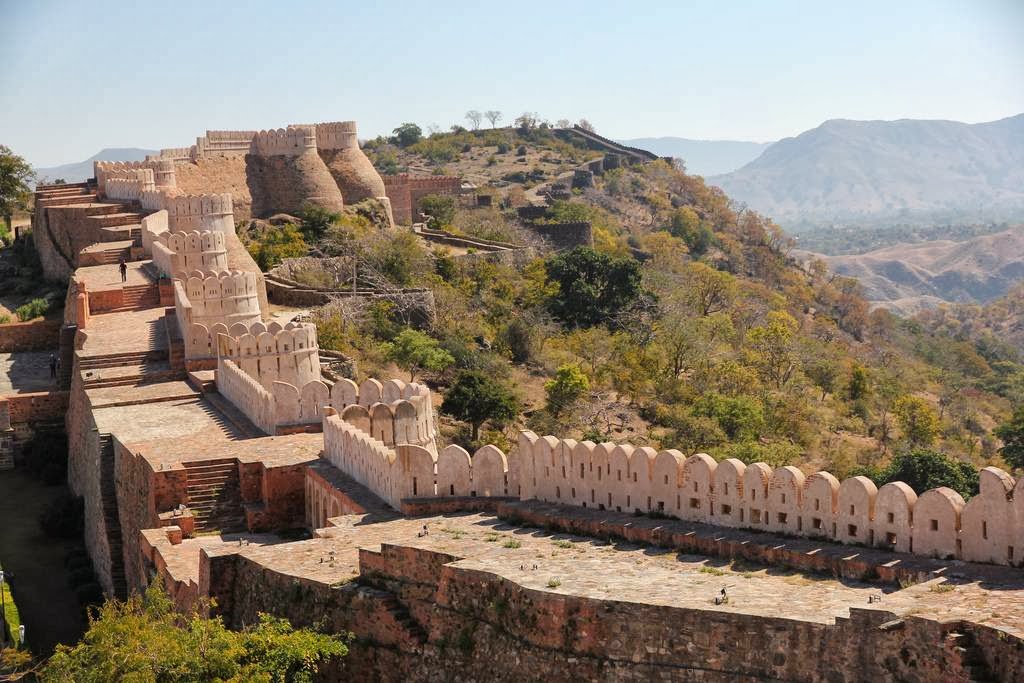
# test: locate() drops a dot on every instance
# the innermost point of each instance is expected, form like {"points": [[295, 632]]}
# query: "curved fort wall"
{"points": [[225, 297], [162, 170], [285, 173], [939, 523], [352, 170]]}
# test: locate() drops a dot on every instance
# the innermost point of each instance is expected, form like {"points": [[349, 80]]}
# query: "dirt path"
{"points": [[48, 608]]}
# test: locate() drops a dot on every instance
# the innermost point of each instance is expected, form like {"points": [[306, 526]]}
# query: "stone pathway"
{"points": [[26, 371]]}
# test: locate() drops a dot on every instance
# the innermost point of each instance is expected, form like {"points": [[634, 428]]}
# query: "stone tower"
{"points": [[285, 173], [352, 170]]}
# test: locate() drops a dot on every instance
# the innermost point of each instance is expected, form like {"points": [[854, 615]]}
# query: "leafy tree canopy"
{"points": [[407, 134], [568, 385], [146, 640], [15, 178], [1012, 434], [414, 351], [476, 398], [924, 469], [592, 287]]}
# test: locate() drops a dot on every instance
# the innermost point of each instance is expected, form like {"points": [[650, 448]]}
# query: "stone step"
{"points": [[109, 220]]}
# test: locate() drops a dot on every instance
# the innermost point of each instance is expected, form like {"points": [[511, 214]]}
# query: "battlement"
{"points": [[173, 154], [130, 188], [181, 253], [192, 212], [291, 141], [161, 173], [336, 135], [210, 298], [223, 143]]}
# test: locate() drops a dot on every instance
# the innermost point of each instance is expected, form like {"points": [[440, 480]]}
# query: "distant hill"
{"points": [[82, 170], [863, 172], [908, 278], [703, 157]]}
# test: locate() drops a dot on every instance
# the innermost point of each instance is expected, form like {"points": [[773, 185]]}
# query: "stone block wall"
{"points": [[565, 235], [35, 335], [405, 192]]}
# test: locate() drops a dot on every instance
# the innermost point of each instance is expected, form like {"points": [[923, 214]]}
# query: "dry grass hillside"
{"points": [[910, 277]]}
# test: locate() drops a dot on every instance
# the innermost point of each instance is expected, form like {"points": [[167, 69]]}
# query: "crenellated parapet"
{"points": [[938, 523], [182, 253], [186, 213], [393, 411], [161, 173], [291, 141], [130, 188], [206, 299], [336, 135], [223, 143]]}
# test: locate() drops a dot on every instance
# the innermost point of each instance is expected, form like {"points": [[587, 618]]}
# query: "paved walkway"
{"points": [[25, 372]]}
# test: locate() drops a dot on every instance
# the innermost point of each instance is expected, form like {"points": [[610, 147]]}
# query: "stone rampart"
{"points": [[223, 143], [179, 254], [405, 192], [351, 169], [192, 212], [291, 141], [36, 335], [226, 297], [160, 172], [938, 523]]}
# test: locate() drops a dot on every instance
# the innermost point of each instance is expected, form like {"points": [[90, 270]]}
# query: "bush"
{"points": [[521, 150], [33, 309], [63, 518], [4, 319], [440, 208], [503, 148]]}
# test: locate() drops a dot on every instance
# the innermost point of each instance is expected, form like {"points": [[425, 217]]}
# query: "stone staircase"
{"points": [[229, 415], [966, 649], [215, 496], [111, 516], [140, 297], [133, 374], [115, 360], [400, 613]]}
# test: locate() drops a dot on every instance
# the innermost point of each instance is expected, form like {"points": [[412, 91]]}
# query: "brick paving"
{"points": [[98, 278], [125, 332], [581, 566], [26, 372]]}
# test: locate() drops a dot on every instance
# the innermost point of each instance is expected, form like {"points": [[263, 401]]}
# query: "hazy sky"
{"points": [[79, 76]]}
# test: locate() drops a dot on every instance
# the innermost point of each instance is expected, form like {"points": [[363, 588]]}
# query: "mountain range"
{"points": [[866, 172], [703, 157], [910, 277], [82, 170]]}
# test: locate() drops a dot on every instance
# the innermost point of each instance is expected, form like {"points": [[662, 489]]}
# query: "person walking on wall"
{"points": [[53, 366], [123, 267]]}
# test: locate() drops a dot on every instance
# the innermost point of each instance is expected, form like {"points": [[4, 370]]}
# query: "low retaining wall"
{"points": [[36, 335]]}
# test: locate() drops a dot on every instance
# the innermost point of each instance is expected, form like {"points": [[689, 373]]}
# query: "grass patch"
{"points": [[554, 583], [454, 533], [942, 588], [714, 571], [492, 537], [512, 543], [11, 616], [564, 544]]}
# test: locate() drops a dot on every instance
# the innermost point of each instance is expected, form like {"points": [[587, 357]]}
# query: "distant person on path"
{"points": [[123, 267], [53, 366]]}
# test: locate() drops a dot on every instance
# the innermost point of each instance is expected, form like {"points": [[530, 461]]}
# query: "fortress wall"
{"points": [[247, 395], [223, 143], [161, 172], [936, 524], [572, 637], [218, 175], [291, 141], [405, 191], [223, 297], [352, 170], [565, 235], [285, 173]]}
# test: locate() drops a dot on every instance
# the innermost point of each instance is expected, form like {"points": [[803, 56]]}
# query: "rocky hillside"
{"points": [[910, 277], [863, 172], [689, 324]]}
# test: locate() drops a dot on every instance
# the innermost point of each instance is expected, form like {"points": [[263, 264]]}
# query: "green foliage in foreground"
{"points": [[13, 619], [1012, 434], [414, 351], [276, 245], [144, 640]]}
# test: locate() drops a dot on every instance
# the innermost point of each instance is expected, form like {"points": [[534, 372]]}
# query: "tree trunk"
{"points": [[475, 432]]}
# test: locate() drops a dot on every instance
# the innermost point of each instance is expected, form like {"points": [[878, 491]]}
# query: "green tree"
{"points": [[923, 469], [740, 417], [772, 348], [407, 134], [917, 419], [687, 226], [567, 387], [708, 290], [16, 177], [277, 244], [316, 220], [477, 398], [858, 386], [440, 208], [1012, 434], [146, 640], [592, 287], [414, 351]]}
